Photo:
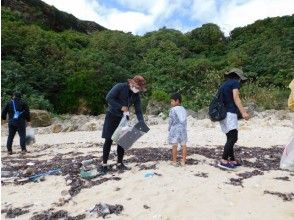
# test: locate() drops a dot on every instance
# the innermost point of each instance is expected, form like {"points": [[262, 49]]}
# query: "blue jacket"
{"points": [[20, 105], [120, 95]]}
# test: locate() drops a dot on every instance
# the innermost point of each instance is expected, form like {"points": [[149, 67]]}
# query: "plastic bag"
{"points": [[291, 97], [287, 160], [122, 128], [128, 138], [30, 136]]}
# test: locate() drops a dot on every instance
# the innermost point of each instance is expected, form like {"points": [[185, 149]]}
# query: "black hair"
{"points": [[232, 76], [17, 94], [176, 96]]}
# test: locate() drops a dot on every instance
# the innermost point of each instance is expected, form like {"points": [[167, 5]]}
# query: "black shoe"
{"points": [[10, 152], [121, 166], [104, 170], [24, 151]]}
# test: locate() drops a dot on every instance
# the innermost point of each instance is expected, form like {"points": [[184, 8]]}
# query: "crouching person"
{"points": [[119, 99]]}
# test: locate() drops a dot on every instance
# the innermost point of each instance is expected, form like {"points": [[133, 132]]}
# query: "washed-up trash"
{"points": [[88, 170], [87, 162], [9, 176], [103, 209], [30, 164], [88, 174], [30, 136], [149, 174], [287, 160], [39, 175], [8, 179], [5, 173], [20, 180]]}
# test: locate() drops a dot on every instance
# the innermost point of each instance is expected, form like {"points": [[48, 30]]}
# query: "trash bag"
{"points": [[128, 132], [121, 129], [287, 160], [132, 134], [291, 97], [30, 136]]}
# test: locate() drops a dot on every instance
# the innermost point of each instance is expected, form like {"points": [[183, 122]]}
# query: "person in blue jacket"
{"points": [[119, 99], [19, 113]]}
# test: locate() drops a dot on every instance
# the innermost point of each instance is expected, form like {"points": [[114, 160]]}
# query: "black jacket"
{"points": [[20, 105], [119, 96]]}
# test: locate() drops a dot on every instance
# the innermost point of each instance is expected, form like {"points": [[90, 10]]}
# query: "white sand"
{"points": [[257, 133], [178, 193]]}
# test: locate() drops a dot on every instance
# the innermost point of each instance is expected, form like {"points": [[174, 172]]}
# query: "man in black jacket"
{"points": [[119, 99], [18, 112]]}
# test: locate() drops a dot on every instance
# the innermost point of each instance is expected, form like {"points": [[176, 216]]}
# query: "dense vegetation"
{"points": [[71, 71]]}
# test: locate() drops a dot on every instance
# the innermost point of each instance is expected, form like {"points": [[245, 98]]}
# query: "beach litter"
{"points": [[9, 176], [40, 176], [149, 174], [103, 209], [30, 164], [88, 170]]}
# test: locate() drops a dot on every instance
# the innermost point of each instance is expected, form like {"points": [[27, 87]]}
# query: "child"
{"points": [[177, 128]]}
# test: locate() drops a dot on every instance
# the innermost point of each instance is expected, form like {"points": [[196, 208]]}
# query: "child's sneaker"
{"points": [[227, 166]]}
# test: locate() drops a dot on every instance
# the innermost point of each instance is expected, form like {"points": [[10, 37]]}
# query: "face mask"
{"points": [[135, 90]]}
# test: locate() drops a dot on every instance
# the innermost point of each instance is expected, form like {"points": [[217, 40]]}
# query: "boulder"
{"points": [[191, 113], [40, 118], [90, 126], [56, 128], [202, 114]]}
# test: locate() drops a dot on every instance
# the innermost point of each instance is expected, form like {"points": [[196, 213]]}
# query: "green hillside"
{"points": [[67, 69]]}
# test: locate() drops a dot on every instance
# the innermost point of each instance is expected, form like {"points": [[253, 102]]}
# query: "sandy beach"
{"points": [[257, 190]]}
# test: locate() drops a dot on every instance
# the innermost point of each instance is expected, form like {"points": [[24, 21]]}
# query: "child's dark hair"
{"points": [[232, 76], [17, 94], [176, 96]]}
